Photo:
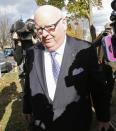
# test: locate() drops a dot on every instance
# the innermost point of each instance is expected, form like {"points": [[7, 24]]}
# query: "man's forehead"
{"points": [[44, 21], [47, 15]]}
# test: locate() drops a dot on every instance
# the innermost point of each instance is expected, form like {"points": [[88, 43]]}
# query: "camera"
{"points": [[24, 30], [22, 34], [113, 14]]}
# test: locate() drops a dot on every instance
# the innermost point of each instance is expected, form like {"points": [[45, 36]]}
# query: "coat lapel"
{"points": [[39, 62], [69, 55]]}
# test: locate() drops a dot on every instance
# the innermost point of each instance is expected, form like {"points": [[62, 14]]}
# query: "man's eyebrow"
{"points": [[37, 26]]}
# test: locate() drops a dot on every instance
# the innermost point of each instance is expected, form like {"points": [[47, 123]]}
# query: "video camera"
{"points": [[22, 34], [23, 30]]}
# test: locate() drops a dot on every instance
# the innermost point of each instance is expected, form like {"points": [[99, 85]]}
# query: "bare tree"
{"points": [[4, 31]]}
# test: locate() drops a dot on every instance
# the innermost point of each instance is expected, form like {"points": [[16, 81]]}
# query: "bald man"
{"points": [[59, 97]]}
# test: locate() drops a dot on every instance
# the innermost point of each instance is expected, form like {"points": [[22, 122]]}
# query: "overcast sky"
{"points": [[102, 16], [24, 9], [16, 9]]}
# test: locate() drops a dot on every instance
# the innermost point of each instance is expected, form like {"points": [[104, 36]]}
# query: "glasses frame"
{"points": [[48, 28]]}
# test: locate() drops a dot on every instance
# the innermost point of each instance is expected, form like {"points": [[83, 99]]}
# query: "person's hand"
{"points": [[28, 118], [104, 125]]}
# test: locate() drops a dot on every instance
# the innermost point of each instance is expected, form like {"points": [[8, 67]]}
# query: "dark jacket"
{"points": [[80, 84]]}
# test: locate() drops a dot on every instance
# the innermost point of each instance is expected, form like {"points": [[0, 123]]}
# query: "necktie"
{"points": [[55, 66]]}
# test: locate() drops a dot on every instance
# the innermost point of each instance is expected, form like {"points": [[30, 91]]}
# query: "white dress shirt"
{"points": [[51, 84]]}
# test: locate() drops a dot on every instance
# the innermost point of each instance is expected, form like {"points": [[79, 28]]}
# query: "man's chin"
{"points": [[50, 49], [47, 44]]}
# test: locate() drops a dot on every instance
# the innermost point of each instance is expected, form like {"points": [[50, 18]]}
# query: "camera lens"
{"points": [[113, 5]]}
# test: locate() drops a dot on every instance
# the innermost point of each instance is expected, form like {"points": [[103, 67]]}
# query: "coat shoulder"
{"points": [[78, 43]]}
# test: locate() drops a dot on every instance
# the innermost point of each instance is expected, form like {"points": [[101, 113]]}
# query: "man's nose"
{"points": [[44, 33]]}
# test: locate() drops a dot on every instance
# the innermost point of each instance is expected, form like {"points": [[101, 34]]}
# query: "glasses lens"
{"points": [[49, 29]]}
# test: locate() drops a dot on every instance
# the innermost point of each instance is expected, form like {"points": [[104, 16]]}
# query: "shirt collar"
{"points": [[60, 50]]}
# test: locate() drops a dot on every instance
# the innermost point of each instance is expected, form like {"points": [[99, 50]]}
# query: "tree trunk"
{"points": [[91, 25]]}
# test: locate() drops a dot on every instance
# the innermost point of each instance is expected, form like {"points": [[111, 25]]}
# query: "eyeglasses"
{"points": [[48, 28]]}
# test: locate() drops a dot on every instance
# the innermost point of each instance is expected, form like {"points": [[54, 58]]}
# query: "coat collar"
{"points": [[39, 62]]}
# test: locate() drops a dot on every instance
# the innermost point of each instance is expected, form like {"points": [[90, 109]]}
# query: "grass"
{"points": [[11, 117]]}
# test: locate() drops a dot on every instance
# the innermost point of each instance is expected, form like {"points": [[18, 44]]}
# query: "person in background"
{"points": [[22, 35], [64, 78], [108, 29], [105, 65]]}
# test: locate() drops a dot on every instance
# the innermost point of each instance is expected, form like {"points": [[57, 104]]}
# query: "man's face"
{"points": [[50, 31]]}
